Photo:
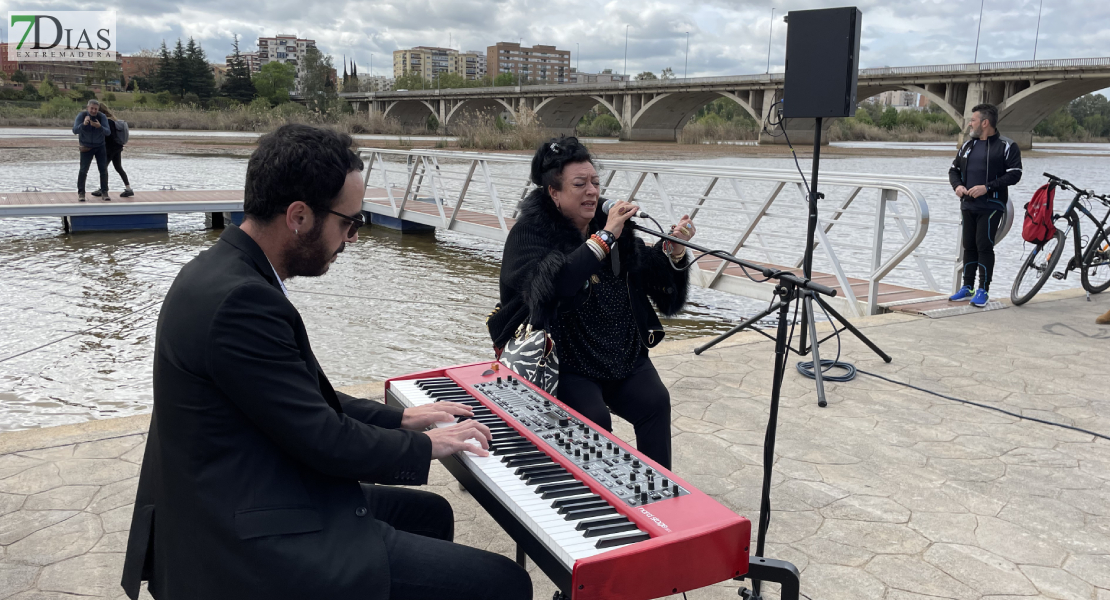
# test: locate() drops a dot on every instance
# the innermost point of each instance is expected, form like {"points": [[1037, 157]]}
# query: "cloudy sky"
{"points": [[725, 38]]}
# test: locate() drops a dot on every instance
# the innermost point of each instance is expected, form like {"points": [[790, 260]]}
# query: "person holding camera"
{"points": [[584, 277], [91, 127], [986, 165]]}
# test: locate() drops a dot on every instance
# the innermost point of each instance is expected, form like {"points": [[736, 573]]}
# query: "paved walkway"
{"points": [[888, 493]]}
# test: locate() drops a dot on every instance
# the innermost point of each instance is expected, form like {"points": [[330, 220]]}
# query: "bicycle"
{"points": [[1092, 259]]}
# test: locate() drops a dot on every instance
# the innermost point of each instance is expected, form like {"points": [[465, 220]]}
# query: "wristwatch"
{"points": [[606, 237]]}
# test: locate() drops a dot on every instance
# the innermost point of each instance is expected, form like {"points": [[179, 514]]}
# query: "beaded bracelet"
{"points": [[597, 238], [595, 247]]}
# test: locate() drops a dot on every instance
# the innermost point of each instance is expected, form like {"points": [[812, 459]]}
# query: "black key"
{"points": [[599, 522], [582, 505], [528, 454], [585, 513], [545, 471], [610, 529], [514, 450], [623, 540], [575, 491], [564, 502], [534, 468], [554, 477], [509, 440], [550, 487], [518, 461]]}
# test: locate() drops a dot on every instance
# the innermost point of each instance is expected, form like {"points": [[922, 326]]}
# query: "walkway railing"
{"points": [[870, 231]]}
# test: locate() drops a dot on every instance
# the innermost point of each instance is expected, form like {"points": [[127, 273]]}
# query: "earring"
{"points": [[296, 232]]}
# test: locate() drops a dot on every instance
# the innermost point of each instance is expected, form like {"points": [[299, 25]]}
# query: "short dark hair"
{"points": [[553, 156], [297, 162], [988, 112]]}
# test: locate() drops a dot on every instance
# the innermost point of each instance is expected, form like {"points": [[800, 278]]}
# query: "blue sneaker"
{"points": [[963, 294], [980, 299]]}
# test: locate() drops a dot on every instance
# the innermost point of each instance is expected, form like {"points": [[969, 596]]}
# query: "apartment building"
{"points": [[251, 59], [606, 76], [902, 100], [64, 73], [537, 64], [284, 48], [431, 61]]}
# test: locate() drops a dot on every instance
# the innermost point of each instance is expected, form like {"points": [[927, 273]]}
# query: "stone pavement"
{"points": [[887, 493]]}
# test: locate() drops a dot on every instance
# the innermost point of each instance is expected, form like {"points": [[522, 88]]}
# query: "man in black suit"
{"points": [[250, 482]]}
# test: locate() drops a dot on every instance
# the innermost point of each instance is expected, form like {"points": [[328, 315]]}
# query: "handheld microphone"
{"points": [[607, 205]]}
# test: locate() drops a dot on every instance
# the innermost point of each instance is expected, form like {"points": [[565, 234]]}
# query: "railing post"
{"points": [[877, 250]]}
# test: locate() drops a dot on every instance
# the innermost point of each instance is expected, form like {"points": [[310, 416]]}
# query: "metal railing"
{"points": [[870, 233], [776, 78]]}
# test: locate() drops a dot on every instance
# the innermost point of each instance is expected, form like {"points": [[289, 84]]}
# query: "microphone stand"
{"points": [[788, 288]]}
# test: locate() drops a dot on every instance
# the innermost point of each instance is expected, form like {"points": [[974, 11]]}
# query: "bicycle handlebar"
{"points": [[1064, 183]]}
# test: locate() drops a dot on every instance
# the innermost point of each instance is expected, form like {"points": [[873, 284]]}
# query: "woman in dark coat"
{"points": [[560, 273]]}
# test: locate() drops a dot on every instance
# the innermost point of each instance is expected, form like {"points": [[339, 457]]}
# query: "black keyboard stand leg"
{"points": [[778, 571], [560, 596], [521, 557]]}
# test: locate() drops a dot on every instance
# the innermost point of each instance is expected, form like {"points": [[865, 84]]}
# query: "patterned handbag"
{"points": [[531, 354]]}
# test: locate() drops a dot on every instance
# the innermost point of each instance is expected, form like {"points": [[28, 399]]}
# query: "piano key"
{"points": [[524, 456], [561, 502], [520, 460], [583, 505], [565, 493], [551, 478], [515, 449], [583, 525], [602, 530], [622, 540], [575, 515]]}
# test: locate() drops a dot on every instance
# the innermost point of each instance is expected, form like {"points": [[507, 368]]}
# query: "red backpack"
{"points": [[1038, 227]]}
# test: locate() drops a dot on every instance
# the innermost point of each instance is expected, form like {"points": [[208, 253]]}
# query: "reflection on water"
{"points": [[78, 313]]}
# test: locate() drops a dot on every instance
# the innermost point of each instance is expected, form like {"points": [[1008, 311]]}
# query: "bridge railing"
{"points": [[871, 227]]}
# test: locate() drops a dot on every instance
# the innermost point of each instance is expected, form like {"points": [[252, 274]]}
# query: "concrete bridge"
{"points": [[657, 110]]}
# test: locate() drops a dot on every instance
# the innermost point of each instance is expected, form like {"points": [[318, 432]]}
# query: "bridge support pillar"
{"points": [[800, 132]]}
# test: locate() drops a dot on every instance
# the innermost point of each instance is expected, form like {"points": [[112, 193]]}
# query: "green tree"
{"points": [[316, 84], [30, 93], [198, 77], [107, 72], [49, 89], [506, 79], [141, 99], [667, 74], [166, 77], [889, 119], [237, 83], [275, 81], [451, 80], [1088, 106], [19, 76], [646, 76], [409, 81]]}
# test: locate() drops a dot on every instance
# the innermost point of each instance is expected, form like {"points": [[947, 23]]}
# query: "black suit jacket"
{"points": [[250, 482]]}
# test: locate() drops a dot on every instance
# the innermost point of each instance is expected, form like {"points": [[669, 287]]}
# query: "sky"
{"points": [[725, 38]]}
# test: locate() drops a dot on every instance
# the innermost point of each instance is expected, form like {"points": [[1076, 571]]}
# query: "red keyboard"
{"points": [[600, 519]]}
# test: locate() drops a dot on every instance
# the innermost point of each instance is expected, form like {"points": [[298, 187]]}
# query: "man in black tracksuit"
{"points": [[986, 165]]}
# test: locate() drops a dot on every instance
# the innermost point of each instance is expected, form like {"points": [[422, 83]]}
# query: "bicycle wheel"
{"points": [[1037, 268], [1096, 271]]}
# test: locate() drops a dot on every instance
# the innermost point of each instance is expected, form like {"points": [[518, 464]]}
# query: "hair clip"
{"points": [[555, 147]]}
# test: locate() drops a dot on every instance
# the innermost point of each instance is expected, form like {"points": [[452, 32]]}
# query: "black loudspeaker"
{"points": [[822, 62]]}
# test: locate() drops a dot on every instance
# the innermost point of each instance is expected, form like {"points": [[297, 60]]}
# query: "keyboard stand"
{"points": [[779, 571]]}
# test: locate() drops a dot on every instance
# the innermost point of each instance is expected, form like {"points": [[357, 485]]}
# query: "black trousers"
{"points": [[115, 156], [980, 227], [423, 563], [640, 398], [101, 156]]}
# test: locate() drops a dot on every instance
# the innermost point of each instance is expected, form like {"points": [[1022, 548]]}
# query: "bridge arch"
{"points": [[864, 93], [410, 113], [561, 114], [664, 116], [1020, 113], [485, 107]]}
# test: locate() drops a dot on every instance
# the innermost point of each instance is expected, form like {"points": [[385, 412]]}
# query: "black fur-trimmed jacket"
{"points": [[546, 267]]}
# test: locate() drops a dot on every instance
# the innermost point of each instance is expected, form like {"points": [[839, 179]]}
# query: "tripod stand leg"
{"points": [[730, 332], [814, 349], [859, 334]]}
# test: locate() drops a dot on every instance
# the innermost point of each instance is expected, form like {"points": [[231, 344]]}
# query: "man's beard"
{"points": [[308, 257]]}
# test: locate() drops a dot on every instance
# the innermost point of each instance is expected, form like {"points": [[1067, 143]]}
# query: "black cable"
{"points": [[987, 406], [806, 367]]}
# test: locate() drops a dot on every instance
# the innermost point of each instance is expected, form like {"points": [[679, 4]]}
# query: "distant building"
{"points": [[902, 100], [137, 66], [606, 76], [432, 61], [64, 73], [285, 48], [538, 64], [251, 59], [378, 83]]}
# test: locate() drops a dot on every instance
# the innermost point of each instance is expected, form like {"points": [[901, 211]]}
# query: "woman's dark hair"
{"points": [[297, 162], [553, 156]]}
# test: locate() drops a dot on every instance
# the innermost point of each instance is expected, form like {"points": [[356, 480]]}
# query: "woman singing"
{"points": [[560, 271]]}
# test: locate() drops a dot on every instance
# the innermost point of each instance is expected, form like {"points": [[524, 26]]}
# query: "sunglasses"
{"points": [[356, 222]]}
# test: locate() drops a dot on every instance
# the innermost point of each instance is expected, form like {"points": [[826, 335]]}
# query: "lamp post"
{"points": [[686, 65], [578, 51], [981, 5], [626, 49], [770, 30], [1037, 37]]}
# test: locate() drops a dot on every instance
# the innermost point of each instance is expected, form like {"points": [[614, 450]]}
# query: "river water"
{"points": [[78, 312]]}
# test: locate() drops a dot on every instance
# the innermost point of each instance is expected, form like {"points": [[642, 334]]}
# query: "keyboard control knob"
{"points": [[608, 445], [637, 488], [597, 436], [651, 485], [628, 455], [674, 489], [632, 477], [648, 473], [643, 497], [563, 422], [664, 485], [635, 464], [509, 378], [578, 452]]}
